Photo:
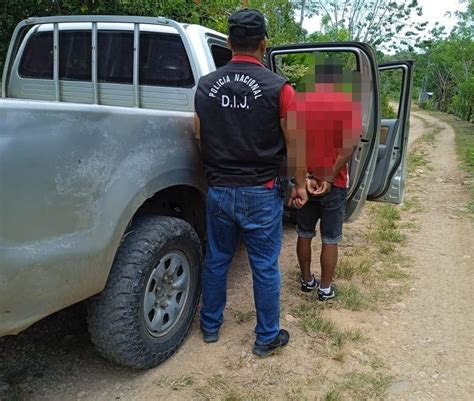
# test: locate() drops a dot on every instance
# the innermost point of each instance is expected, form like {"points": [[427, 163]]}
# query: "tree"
{"points": [[445, 65], [378, 22], [282, 27], [449, 66]]}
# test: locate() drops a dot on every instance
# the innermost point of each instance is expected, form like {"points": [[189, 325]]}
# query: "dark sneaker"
{"points": [[308, 287], [210, 337], [323, 297], [279, 342]]}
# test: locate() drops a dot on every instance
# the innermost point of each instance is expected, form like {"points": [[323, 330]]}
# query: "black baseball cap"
{"points": [[247, 23]]}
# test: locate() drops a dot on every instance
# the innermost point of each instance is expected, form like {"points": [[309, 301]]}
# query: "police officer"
{"points": [[240, 122]]}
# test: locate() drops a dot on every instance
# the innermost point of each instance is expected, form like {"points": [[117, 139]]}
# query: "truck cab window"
{"points": [[37, 59], [221, 55], [115, 57], [75, 55], [163, 61]]}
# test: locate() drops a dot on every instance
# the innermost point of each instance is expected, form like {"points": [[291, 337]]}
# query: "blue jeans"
{"points": [[254, 214]]}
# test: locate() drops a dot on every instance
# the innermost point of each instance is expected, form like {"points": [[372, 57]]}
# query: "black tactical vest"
{"points": [[241, 140]]}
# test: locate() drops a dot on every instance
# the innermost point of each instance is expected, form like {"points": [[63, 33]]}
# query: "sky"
{"points": [[433, 10]]}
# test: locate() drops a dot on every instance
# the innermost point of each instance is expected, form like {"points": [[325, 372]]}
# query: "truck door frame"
{"points": [[390, 184], [365, 157]]}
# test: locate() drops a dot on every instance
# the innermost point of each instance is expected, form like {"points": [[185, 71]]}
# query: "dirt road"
{"points": [[417, 347], [428, 339]]}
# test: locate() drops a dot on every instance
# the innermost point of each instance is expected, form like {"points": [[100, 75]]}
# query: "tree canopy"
{"points": [[282, 27], [445, 66], [385, 23]]}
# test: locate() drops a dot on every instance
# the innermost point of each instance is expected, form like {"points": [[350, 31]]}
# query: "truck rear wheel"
{"points": [[151, 295]]}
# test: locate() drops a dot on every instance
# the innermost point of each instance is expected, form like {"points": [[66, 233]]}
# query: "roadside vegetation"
{"points": [[464, 139], [465, 147]]}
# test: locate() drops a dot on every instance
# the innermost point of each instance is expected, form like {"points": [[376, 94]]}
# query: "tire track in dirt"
{"points": [[416, 128]]}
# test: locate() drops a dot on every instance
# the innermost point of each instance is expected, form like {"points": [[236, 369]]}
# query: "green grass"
{"points": [[388, 213], [314, 323], [464, 143], [368, 273], [363, 386], [376, 362], [345, 268], [430, 137], [464, 138], [243, 316], [334, 346], [296, 393], [349, 296], [360, 386], [391, 273], [332, 395], [354, 335], [177, 383], [410, 225], [412, 204], [220, 388], [431, 134], [385, 233], [389, 234], [416, 160], [352, 266], [233, 362]]}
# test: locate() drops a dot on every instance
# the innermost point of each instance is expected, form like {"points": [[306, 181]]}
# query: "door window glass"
{"points": [[75, 55], [37, 59], [391, 82], [163, 61], [221, 55], [115, 57], [301, 71]]}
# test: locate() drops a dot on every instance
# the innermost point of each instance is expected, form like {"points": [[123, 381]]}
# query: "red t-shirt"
{"points": [[331, 121], [287, 95]]}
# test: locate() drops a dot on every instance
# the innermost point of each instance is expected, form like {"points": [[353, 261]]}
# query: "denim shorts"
{"points": [[329, 209]]}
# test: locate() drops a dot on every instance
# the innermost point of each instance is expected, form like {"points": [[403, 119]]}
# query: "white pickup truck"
{"points": [[101, 188]]}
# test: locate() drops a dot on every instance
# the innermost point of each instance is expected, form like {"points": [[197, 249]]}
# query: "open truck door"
{"points": [[294, 62], [388, 181]]}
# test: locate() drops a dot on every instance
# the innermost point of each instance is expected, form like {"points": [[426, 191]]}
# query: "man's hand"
{"points": [[298, 197], [312, 185], [318, 188]]}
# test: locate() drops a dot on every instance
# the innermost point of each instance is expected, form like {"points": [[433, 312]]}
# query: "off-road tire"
{"points": [[115, 317]]}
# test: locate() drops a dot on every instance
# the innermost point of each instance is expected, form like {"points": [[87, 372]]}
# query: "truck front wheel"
{"points": [[151, 295]]}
